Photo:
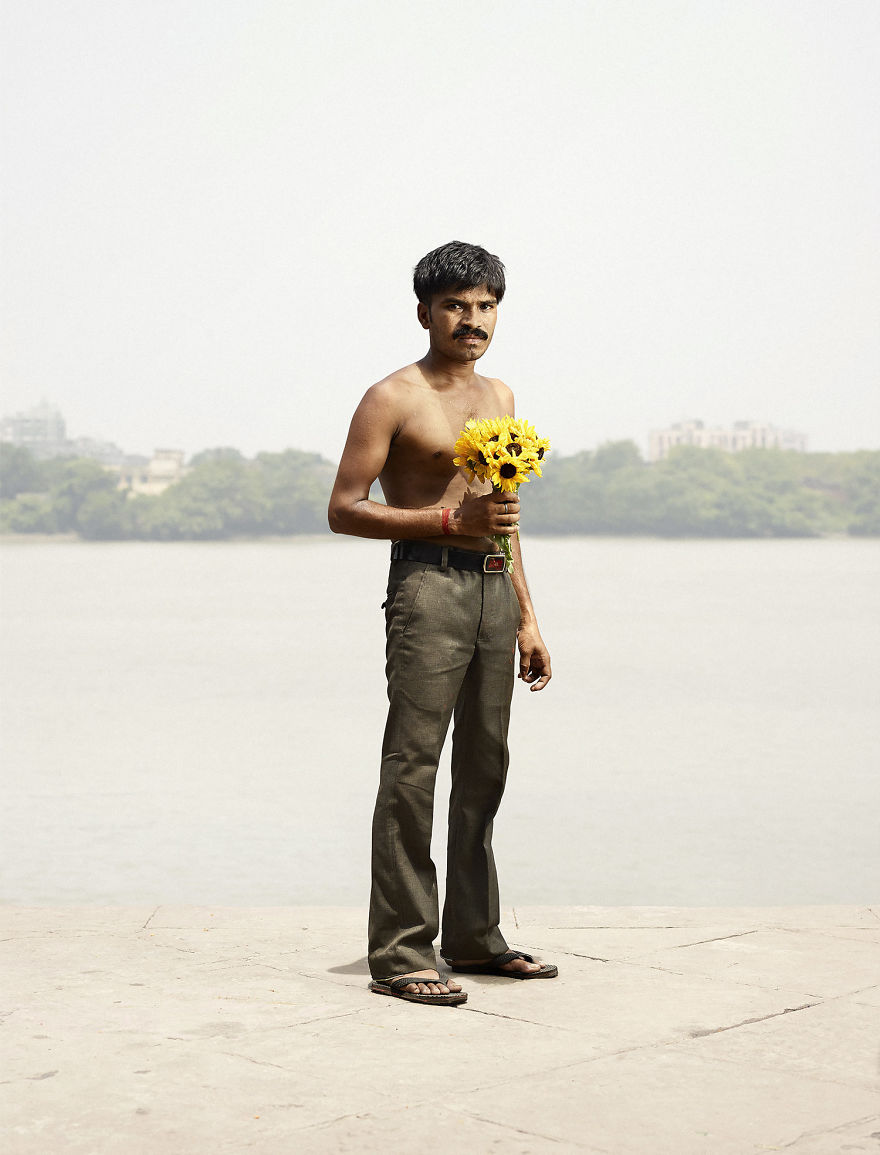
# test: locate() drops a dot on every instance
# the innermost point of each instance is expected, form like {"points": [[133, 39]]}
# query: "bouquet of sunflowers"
{"points": [[503, 451]]}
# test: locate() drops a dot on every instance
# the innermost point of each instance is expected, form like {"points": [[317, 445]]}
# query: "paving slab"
{"points": [[869, 997], [848, 1139], [664, 1100], [181, 1097], [821, 965], [617, 943], [190, 1029], [42, 921], [745, 917], [835, 1041], [430, 1128], [854, 933], [257, 921], [618, 1005]]}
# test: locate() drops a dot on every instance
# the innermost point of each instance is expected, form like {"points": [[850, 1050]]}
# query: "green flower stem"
{"points": [[502, 541]]}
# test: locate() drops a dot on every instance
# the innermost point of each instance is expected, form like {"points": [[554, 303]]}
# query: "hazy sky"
{"points": [[213, 208]]}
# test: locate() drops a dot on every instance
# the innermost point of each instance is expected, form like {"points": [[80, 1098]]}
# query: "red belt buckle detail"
{"points": [[494, 563]]}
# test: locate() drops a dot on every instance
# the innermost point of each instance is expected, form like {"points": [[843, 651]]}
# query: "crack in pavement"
{"points": [[720, 938], [327, 1018], [256, 1062], [338, 1119], [152, 916], [818, 1132], [520, 1130], [748, 1022], [629, 926], [319, 978], [173, 946], [512, 1018]]}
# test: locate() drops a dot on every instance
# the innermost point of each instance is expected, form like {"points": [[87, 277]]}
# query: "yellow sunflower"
{"points": [[511, 470], [501, 450]]}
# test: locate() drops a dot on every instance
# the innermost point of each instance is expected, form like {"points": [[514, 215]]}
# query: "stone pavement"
{"points": [[205, 1031]]}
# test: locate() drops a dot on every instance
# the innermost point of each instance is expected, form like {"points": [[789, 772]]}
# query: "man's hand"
{"points": [[534, 660], [494, 513]]}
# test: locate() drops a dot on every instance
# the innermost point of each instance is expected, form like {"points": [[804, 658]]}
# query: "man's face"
{"points": [[461, 322]]}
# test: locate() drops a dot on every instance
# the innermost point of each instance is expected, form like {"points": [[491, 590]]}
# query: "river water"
{"points": [[201, 723]]}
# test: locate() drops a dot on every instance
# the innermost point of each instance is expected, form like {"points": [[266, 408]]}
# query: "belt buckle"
{"points": [[494, 563]]}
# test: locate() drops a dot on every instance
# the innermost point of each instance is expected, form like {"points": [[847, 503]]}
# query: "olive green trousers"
{"points": [[450, 649]]}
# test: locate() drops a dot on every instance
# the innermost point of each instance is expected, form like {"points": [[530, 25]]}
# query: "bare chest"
{"points": [[430, 428]]}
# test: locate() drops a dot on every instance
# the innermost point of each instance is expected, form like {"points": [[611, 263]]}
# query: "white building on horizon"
{"points": [[733, 438], [41, 430], [165, 468]]}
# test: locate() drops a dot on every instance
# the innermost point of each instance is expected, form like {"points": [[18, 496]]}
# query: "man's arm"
{"points": [[369, 440], [366, 451], [534, 659]]}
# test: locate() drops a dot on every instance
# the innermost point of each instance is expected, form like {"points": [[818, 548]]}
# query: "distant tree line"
{"points": [[225, 495], [707, 493], [610, 490]]}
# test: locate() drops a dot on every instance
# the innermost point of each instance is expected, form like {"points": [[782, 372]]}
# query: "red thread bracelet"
{"points": [[444, 522]]}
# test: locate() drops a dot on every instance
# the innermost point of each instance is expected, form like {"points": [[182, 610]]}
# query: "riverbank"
{"points": [[193, 1029]]}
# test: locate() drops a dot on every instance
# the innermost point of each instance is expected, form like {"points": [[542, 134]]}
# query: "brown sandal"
{"points": [[495, 966], [397, 989]]}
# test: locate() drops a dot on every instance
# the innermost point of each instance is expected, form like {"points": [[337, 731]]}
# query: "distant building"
{"points": [[41, 430], [163, 470], [733, 438]]}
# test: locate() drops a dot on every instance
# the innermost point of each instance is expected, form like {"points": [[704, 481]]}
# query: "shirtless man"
{"points": [[453, 620]]}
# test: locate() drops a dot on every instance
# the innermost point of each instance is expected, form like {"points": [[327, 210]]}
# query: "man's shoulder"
{"points": [[498, 387], [396, 386]]}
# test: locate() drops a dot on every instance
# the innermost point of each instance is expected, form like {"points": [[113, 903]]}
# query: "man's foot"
{"points": [[433, 985], [516, 964], [427, 986], [513, 963]]}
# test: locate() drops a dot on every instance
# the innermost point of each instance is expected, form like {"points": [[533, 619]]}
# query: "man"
{"points": [[453, 619]]}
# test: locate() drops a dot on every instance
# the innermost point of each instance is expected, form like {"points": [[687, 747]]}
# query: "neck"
{"points": [[442, 370]]}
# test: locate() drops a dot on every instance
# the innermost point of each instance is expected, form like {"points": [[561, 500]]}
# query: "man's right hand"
{"points": [[486, 516]]}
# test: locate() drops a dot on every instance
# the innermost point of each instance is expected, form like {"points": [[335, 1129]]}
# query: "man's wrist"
{"points": [[453, 523]]}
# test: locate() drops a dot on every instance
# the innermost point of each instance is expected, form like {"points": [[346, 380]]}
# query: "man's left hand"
{"points": [[534, 660]]}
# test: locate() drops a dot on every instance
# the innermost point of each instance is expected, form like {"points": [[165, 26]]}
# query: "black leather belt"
{"points": [[455, 558]]}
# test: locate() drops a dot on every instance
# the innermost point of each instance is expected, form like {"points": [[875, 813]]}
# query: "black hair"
{"points": [[457, 265]]}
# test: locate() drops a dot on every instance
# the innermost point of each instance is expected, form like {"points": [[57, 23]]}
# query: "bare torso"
{"points": [[418, 472]]}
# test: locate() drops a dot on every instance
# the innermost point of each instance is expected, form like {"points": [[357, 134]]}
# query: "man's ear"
{"points": [[424, 314]]}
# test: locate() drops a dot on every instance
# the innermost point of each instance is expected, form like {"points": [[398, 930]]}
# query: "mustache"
{"points": [[467, 331]]}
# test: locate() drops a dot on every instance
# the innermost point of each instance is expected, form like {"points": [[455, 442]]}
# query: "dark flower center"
{"points": [[515, 449], [508, 470], [540, 452]]}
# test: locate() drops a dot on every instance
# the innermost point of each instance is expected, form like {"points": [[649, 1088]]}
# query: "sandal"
{"points": [[495, 966], [397, 989]]}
